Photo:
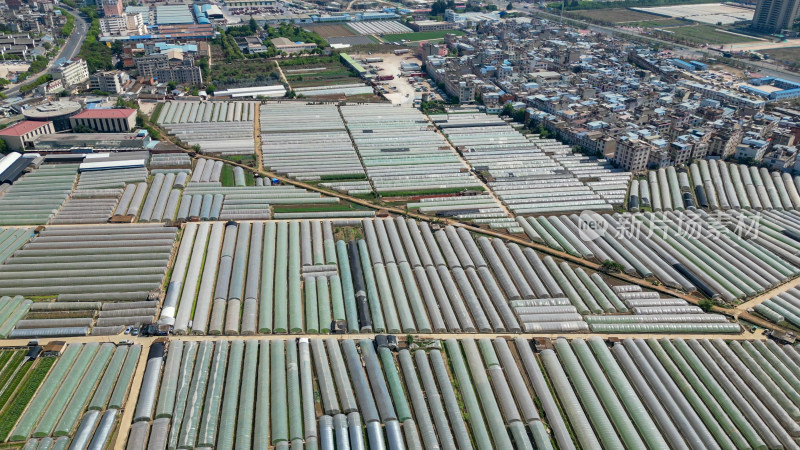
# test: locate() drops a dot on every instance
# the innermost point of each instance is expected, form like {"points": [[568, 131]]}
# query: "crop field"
{"points": [[257, 71], [618, 16], [322, 74], [354, 40], [658, 23], [420, 36], [707, 34], [327, 31]]}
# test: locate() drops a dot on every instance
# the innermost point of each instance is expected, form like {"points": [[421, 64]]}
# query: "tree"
{"points": [[3, 146], [253, 25], [610, 266], [171, 85], [706, 304], [510, 6], [210, 89]]}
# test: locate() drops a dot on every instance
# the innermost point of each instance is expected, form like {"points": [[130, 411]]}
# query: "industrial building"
{"points": [[19, 135], [106, 120], [431, 25]]}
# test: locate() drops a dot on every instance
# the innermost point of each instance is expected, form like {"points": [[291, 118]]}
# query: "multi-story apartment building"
{"points": [[72, 72], [112, 81]]}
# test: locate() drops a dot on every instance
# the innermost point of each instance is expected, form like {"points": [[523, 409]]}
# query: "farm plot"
{"points": [[707, 34], [86, 270], [523, 172], [328, 31], [403, 155], [78, 400], [403, 276], [729, 256], [617, 15], [353, 40], [484, 394], [220, 128], [715, 185], [308, 142], [420, 35], [322, 74]]}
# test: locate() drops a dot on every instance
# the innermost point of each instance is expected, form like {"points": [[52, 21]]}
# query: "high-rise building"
{"points": [[773, 16], [112, 7]]}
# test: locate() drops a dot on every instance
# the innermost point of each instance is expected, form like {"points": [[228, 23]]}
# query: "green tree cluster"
{"points": [[96, 54], [440, 6], [38, 82], [295, 33], [68, 27]]}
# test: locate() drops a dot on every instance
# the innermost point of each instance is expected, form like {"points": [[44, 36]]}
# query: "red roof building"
{"points": [[18, 135], [105, 120]]}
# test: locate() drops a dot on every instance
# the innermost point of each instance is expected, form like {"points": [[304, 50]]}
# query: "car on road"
{"points": [[128, 330], [135, 332]]}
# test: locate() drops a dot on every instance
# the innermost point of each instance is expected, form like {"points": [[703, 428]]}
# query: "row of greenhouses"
{"points": [[714, 185], [307, 142], [531, 175], [729, 256], [170, 162], [210, 201], [12, 310], [36, 197], [76, 400], [480, 209], [316, 393], [182, 112], [782, 309], [221, 128], [161, 202], [11, 239], [395, 275], [88, 264], [483, 394], [206, 171], [402, 153]]}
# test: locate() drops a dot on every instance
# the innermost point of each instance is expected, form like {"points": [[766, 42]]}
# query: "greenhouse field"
{"points": [[469, 393], [392, 280], [402, 277], [72, 395]]}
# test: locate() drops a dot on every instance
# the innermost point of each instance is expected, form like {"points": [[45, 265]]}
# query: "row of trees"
{"points": [[68, 27]]}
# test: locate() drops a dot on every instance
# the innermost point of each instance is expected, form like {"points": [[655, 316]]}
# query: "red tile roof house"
{"points": [[19, 134], [105, 120]]}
